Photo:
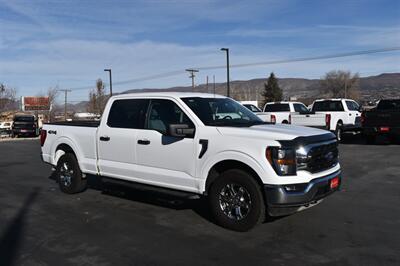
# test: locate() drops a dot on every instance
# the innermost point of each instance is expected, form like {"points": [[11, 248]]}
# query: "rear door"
{"points": [[162, 159], [117, 138]]}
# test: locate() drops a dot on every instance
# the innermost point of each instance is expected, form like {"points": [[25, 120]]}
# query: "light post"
{"points": [[227, 71], [109, 72]]}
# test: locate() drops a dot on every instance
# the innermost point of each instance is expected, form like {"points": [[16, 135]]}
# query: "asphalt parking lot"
{"points": [[114, 225]]}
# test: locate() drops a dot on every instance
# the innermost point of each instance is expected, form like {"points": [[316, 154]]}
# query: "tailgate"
{"points": [[382, 118], [311, 120]]}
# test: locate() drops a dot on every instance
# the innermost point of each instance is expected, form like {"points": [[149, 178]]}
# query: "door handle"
{"points": [[143, 142], [104, 138]]}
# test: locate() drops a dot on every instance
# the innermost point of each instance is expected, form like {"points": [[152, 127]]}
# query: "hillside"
{"points": [[372, 88]]}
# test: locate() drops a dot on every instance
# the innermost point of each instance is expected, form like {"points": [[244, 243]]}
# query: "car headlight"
{"points": [[283, 160]]}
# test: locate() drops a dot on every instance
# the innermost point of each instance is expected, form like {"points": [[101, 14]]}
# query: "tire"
{"points": [[285, 122], [339, 132], [370, 139], [248, 201], [69, 175]]}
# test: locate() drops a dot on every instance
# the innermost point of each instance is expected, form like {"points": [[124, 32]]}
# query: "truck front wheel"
{"points": [[69, 175], [236, 201]]}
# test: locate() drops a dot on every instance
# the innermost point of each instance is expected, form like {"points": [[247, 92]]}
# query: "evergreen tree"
{"points": [[272, 92]]}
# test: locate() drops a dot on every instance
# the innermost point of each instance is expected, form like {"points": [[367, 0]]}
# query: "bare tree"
{"points": [[52, 93], [7, 97], [97, 98], [341, 84]]}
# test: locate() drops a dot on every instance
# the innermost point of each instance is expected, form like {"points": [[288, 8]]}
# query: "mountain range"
{"points": [[386, 85]]}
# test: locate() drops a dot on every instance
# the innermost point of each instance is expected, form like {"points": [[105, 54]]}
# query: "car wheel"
{"points": [[69, 175], [339, 132], [236, 201]]}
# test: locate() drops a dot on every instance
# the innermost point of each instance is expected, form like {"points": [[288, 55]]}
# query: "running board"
{"points": [[139, 186]]}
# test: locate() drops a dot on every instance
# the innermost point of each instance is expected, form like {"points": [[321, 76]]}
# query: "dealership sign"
{"points": [[35, 104]]}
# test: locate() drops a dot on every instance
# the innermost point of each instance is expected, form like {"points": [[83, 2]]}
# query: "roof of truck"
{"points": [[169, 94]]}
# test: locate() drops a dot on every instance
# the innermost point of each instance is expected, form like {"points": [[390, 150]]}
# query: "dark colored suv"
{"points": [[25, 125]]}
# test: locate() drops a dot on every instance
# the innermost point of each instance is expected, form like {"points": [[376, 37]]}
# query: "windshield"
{"points": [[222, 112]]}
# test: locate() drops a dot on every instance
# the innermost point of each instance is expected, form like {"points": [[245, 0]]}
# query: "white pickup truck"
{"points": [[341, 115], [180, 143]]}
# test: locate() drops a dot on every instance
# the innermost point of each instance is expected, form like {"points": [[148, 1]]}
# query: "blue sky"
{"points": [[69, 43]]}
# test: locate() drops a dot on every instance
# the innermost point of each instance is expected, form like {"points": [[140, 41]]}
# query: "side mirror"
{"points": [[181, 131]]}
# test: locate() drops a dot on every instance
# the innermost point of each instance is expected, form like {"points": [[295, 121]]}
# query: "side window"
{"points": [[163, 113], [300, 108], [352, 106], [129, 113]]}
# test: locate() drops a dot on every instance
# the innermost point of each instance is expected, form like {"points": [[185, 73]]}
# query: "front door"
{"points": [[162, 159]]}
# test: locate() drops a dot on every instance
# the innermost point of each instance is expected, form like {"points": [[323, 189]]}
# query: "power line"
{"points": [[284, 61]]}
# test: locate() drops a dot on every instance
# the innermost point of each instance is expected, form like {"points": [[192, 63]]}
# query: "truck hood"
{"points": [[274, 132]]}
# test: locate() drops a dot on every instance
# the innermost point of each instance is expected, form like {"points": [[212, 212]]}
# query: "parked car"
{"points": [[177, 142], [25, 125], [384, 119], [5, 128]]}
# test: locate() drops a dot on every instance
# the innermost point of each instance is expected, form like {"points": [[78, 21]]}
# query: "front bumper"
{"points": [[288, 199]]}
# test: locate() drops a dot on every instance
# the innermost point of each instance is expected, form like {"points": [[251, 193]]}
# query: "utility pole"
{"points": [[345, 88], [65, 103], [109, 72], [207, 83], [227, 71], [192, 75], [214, 84]]}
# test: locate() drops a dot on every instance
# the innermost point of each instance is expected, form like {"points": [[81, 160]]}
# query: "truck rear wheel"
{"points": [[236, 201], [69, 175]]}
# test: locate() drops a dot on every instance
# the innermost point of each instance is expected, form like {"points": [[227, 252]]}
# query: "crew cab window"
{"points": [[163, 113], [300, 108], [352, 106], [328, 106], [129, 113], [277, 107]]}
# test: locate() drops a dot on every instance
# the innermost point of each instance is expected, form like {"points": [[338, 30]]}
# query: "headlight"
{"points": [[283, 160]]}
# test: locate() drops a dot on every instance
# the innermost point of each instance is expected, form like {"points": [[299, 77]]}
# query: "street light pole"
{"points": [[227, 71], [109, 72]]}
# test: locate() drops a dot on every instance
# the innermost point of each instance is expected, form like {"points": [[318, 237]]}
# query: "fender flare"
{"points": [[58, 153]]}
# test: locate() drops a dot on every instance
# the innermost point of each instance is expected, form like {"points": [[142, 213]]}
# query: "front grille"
{"points": [[319, 157]]}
